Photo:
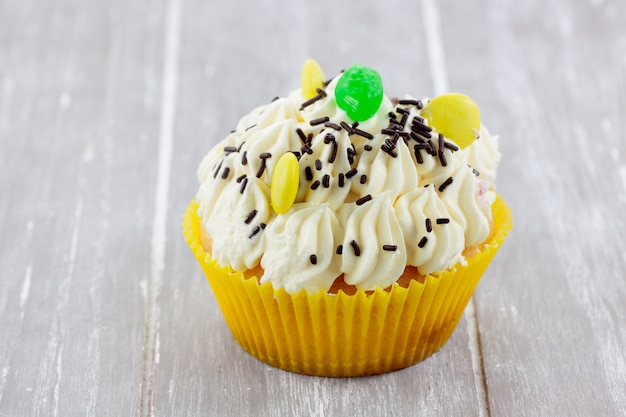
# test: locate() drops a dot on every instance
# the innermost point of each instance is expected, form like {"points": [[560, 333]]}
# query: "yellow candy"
{"points": [[312, 78], [455, 116], [285, 180]]}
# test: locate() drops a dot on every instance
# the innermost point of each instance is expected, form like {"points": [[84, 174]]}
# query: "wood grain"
{"points": [[106, 109]]}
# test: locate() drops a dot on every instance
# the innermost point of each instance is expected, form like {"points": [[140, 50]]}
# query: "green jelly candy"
{"points": [[359, 92]]}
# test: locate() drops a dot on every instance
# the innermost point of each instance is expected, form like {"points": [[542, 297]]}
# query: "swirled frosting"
{"points": [[373, 197]]}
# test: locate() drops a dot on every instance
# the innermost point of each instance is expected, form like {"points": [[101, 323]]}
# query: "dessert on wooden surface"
{"points": [[344, 232]]}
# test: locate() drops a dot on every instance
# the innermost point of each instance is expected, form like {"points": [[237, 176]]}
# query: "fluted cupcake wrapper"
{"points": [[345, 335]]}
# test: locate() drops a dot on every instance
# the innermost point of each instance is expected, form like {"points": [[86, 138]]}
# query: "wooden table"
{"points": [[106, 109]]}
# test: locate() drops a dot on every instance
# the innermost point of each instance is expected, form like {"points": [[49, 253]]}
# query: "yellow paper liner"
{"points": [[345, 335]]}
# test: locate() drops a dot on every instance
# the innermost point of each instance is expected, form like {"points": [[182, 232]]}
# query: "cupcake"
{"points": [[343, 232]]}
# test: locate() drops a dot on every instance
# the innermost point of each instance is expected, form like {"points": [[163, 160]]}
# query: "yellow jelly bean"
{"points": [[454, 115], [285, 180], [312, 78]]}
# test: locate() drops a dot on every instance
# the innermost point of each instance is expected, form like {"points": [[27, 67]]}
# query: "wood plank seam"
{"points": [[169, 87]]}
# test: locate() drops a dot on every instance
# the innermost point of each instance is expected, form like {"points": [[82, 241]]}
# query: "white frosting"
{"points": [[418, 213], [370, 226], [237, 238], [305, 231], [407, 187]]}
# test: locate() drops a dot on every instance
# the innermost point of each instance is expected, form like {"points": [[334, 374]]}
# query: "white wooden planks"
{"points": [[107, 109]]}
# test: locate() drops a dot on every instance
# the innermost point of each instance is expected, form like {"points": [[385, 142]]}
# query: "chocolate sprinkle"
{"points": [[265, 155], [355, 248], [319, 121], [318, 164], [230, 149], [418, 155], [339, 250], [422, 242], [391, 248], [217, 170], [308, 173], [367, 147], [315, 185], [255, 231], [451, 146], [429, 225], [351, 173], [407, 102], [250, 127], [341, 179], [332, 125], [225, 173], [333, 153], [363, 199], [388, 150], [445, 184], [301, 135], [244, 158], [347, 127], [250, 216], [326, 181], [313, 99], [443, 220], [329, 138], [240, 178], [363, 133], [259, 173], [243, 185], [363, 179], [441, 149], [313, 259]]}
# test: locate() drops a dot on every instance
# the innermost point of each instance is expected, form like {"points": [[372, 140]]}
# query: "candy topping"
{"points": [[359, 92], [312, 78], [284, 185], [454, 115]]}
